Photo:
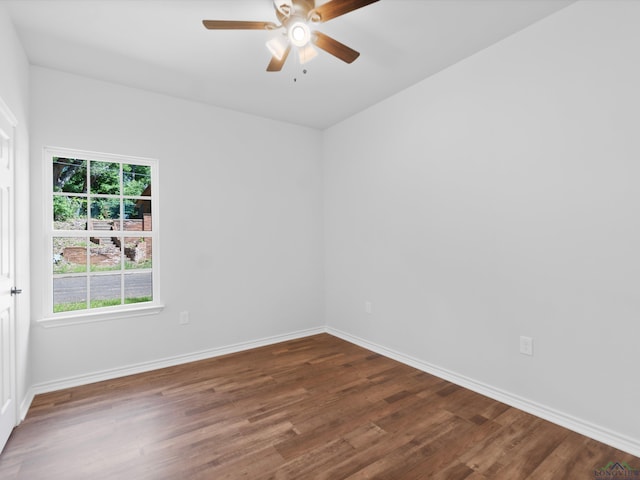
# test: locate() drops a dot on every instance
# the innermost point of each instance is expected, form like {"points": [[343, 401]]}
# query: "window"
{"points": [[103, 238]]}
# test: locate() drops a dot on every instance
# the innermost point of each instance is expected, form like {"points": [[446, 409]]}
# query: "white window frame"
{"points": [[50, 318]]}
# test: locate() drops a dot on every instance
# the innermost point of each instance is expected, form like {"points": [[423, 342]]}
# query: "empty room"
{"points": [[330, 239]]}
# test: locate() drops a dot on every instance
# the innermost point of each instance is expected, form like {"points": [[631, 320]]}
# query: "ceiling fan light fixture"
{"points": [[295, 18], [307, 53], [299, 34], [277, 46]]}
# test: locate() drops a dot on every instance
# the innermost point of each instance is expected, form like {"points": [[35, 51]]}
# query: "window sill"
{"points": [[92, 316]]}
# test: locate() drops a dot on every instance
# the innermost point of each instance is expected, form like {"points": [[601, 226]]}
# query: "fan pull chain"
{"points": [[295, 79]]}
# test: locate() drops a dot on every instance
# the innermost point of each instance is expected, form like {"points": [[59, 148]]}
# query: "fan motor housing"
{"points": [[301, 8]]}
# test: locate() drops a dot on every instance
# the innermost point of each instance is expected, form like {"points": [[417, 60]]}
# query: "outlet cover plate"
{"points": [[526, 345]]}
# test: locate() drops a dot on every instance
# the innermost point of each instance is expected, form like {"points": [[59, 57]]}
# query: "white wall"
{"points": [[500, 198], [241, 230], [14, 91]]}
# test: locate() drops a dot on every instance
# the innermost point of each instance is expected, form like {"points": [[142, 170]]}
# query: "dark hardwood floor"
{"points": [[314, 408]]}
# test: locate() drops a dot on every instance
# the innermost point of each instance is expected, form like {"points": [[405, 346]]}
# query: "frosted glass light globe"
{"points": [[299, 34]]}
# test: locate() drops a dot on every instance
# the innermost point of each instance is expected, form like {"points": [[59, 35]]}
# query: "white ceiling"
{"points": [[161, 46]]}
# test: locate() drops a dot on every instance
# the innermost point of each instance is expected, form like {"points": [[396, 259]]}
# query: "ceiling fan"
{"points": [[296, 19]]}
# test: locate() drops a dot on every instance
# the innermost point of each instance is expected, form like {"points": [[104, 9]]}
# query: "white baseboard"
{"points": [[110, 374], [25, 404], [583, 427], [596, 432]]}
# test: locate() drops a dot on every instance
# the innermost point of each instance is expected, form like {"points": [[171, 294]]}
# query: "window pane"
{"points": [[105, 178], [69, 255], [109, 203], [103, 212], [137, 180], [137, 214], [69, 293], [138, 287], [69, 175], [137, 252], [69, 213], [104, 254], [105, 290]]}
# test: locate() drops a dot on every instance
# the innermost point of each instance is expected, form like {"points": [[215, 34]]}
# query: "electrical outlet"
{"points": [[368, 307], [184, 318], [526, 346]]}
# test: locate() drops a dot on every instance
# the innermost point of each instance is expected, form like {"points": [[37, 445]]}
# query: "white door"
{"points": [[8, 411]]}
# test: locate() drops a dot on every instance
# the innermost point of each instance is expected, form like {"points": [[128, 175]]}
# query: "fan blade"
{"points": [[275, 65], [334, 47], [237, 25], [335, 8]]}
